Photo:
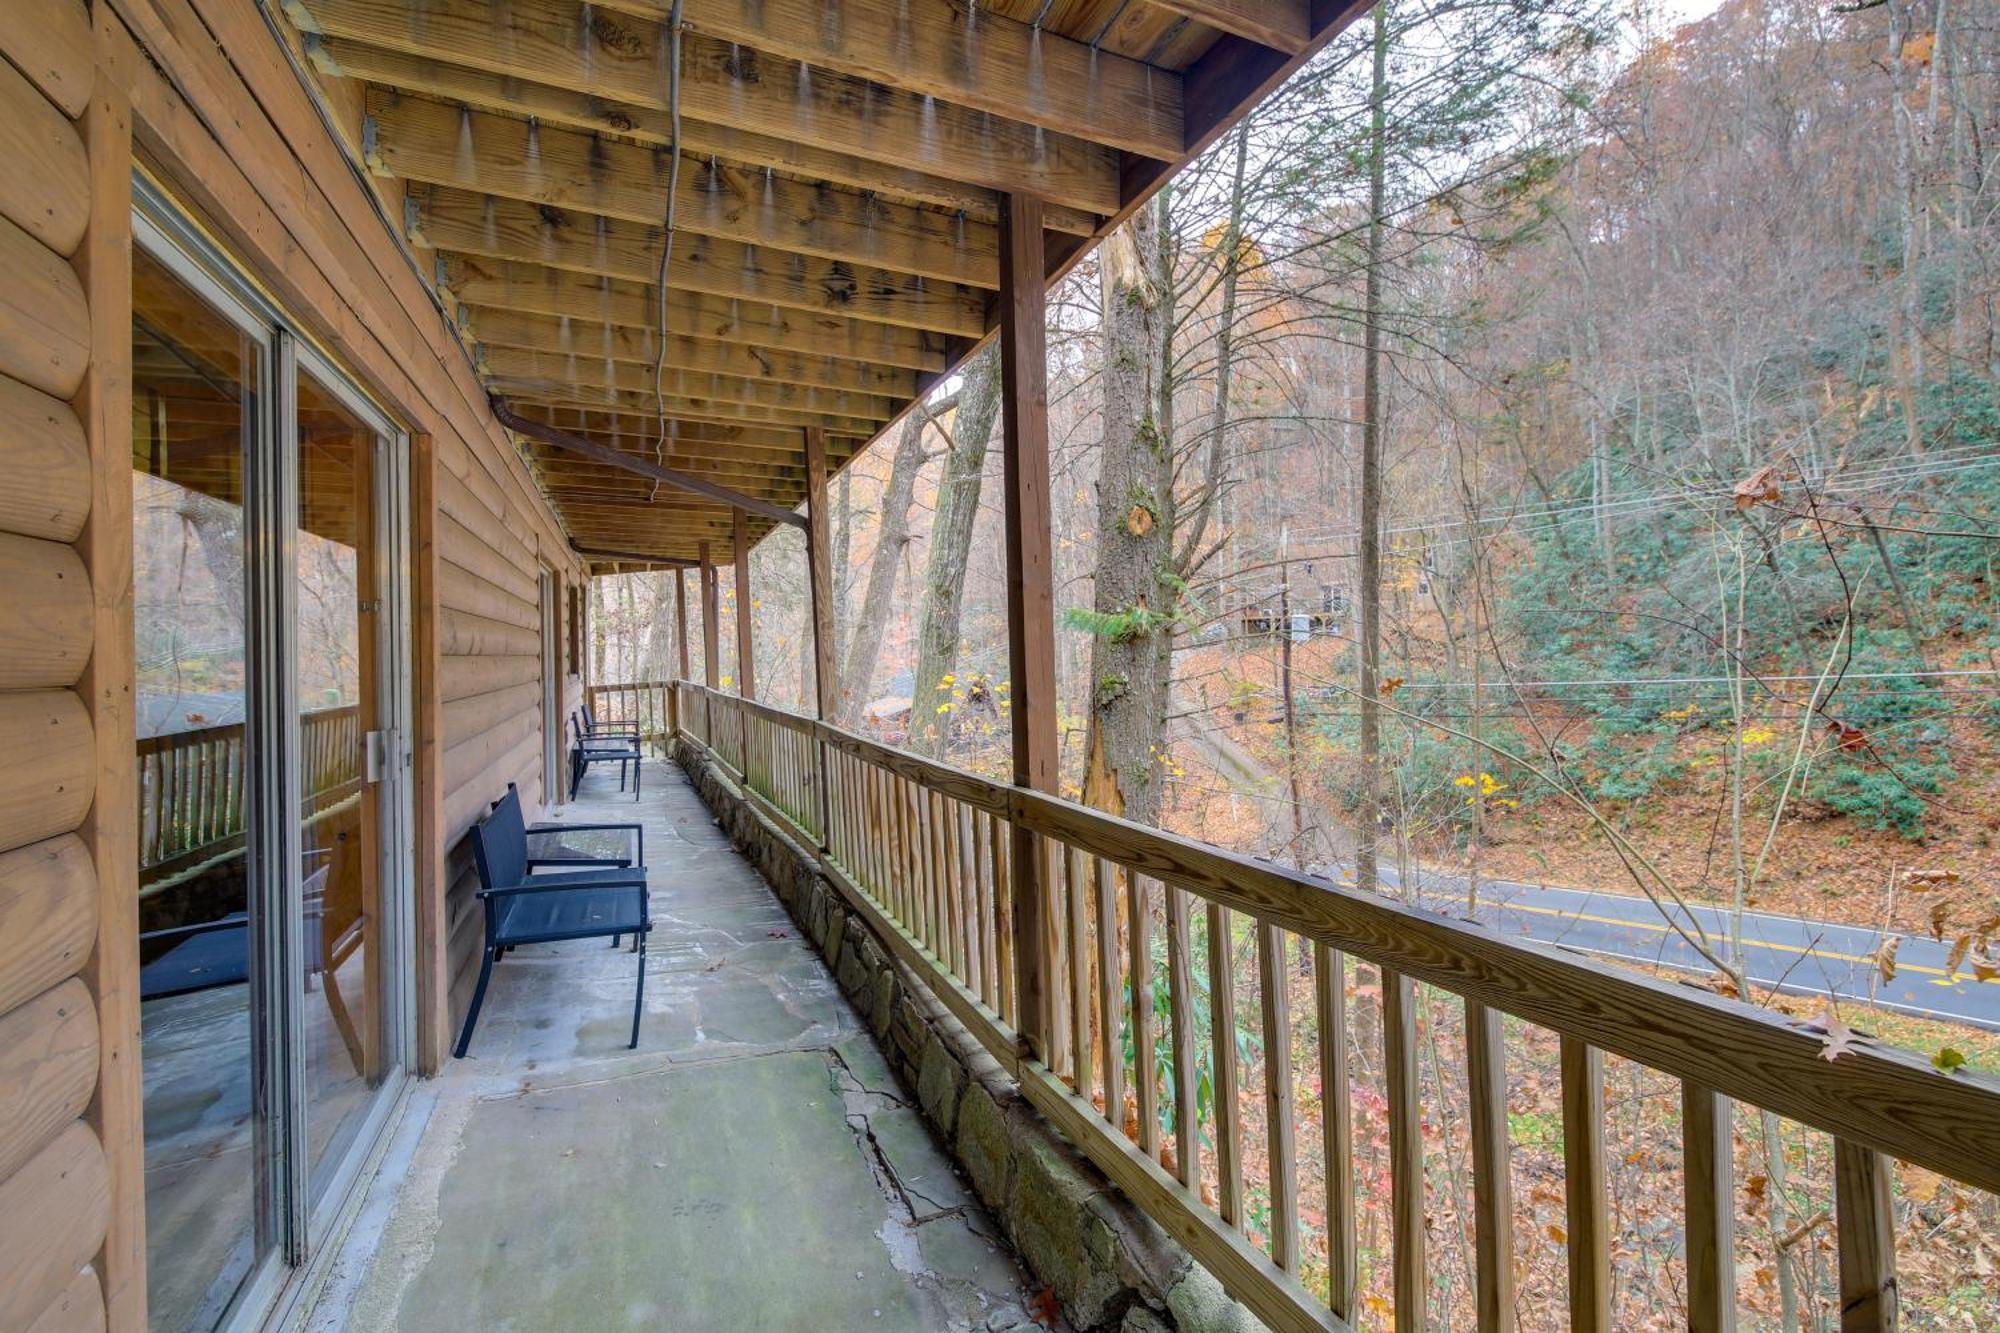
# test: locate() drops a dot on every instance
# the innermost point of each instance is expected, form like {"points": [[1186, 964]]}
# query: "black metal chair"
{"points": [[606, 747], [608, 731], [596, 896]]}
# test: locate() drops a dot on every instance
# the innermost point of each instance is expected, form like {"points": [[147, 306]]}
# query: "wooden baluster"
{"points": [[1145, 1065], [1222, 1032], [951, 886], [913, 853], [934, 890], [1336, 1128], [1080, 1049], [1865, 1220], [965, 865], [1003, 917], [1406, 1151], [1055, 921], [1111, 1050], [1180, 1015], [982, 898], [1492, 1182], [1275, 1000], [1585, 1186], [1708, 1172]]}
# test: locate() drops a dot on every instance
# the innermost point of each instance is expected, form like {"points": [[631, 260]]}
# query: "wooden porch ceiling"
{"points": [[841, 172]]}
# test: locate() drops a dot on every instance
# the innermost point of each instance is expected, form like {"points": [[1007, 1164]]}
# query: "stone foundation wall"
{"points": [[1111, 1267]]}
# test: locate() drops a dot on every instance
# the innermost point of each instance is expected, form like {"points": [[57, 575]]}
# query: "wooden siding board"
{"points": [[52, 1217], [49, 42], [45, 487], [46, 620], [48, 1069], [51, 795], [48, 916]]}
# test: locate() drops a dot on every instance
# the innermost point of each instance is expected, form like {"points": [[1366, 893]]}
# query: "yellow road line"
{"points": [[1660, 928]]}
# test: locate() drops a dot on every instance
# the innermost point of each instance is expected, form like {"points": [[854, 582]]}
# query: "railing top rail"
{"points": [[173, 740], [1885, 1098]]}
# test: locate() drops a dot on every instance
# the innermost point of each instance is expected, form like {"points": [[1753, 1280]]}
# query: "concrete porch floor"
{"points": [[753, 1165]]}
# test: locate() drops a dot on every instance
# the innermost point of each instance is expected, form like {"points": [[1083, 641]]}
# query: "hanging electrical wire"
{"points": [[666, 244]]}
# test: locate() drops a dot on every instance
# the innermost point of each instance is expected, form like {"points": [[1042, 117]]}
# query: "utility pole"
{"points": [[1291, 706]]}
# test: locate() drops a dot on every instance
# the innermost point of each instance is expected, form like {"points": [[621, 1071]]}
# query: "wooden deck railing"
{"points": [[643, 704], [920, 850], [191, 808]]}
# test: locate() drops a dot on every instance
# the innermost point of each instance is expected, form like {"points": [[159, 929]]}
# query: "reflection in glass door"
{"points": [[273, 817], [198, 379], [337, 602]]}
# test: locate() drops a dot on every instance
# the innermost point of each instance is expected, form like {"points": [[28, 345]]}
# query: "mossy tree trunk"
{"points": [[1138, 588], [950, 549]]}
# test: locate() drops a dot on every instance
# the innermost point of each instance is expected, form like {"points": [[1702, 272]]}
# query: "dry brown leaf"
{"points": [[1920, 1186], [1929, 879], [1940, 920], [1389, 685], [1959, 948], [1760, 487], [1885, 958], [1838, 1039]]}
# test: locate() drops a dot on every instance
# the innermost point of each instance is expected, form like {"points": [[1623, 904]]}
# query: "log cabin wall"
{"points": [[202, 97], [223, 118], [67, 1003]]}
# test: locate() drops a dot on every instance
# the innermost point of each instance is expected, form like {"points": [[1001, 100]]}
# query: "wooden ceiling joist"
{"points": [[963, 55], [843, 172], [449, 220], [598, 343], [641, 405], [489, 289], [419, 139], [714, 436], [556, 371], [643, 467], [540, 58]]}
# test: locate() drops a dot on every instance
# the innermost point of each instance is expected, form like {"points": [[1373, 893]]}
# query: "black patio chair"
{"points": [[621, 748], [608, 731], [596, 896]]}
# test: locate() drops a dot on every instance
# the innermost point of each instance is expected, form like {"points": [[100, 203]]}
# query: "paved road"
{"points": [[1796, 956]]}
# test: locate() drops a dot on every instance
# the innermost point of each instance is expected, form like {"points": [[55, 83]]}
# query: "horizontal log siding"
{"points": [[239, 138], [55, 1181]]}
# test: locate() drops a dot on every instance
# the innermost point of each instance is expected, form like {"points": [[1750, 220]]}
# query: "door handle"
{"points": [[375, 755]]}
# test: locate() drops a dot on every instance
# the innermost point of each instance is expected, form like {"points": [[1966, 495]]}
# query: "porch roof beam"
{"points": [[559, 340], [423, 140], [538, 57], [460, 223], [987, 62], [535, 430], [488, 290]]}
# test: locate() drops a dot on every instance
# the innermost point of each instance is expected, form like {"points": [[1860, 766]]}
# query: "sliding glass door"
{"points": [[274, 833]]}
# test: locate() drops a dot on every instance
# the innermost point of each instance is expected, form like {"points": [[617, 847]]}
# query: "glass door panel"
{"points": [[198, 382], [338, 596]]}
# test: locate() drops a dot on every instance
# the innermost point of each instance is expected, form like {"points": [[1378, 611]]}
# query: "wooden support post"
{"points": [[711, 627], [1585, 1187], [1031, 656], [1708, 1169], [819, 580], [681, 620], [1864, 1225], [746, 667], [819, 571], [103, 404]]}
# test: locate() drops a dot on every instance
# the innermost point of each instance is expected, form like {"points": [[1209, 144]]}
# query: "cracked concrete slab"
{"points": [[753, 1165]]}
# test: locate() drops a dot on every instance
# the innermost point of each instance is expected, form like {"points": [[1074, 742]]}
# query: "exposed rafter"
{"points": [[581, 242], [643, 467], [430, 141]]}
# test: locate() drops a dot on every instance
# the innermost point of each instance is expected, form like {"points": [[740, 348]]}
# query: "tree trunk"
{"points": [[1369, 814], [950, 548], [892, 534], [1137, 591], [1902, 19]]}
